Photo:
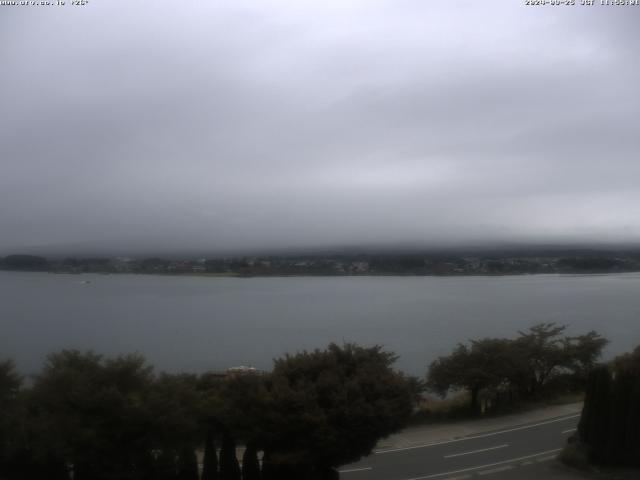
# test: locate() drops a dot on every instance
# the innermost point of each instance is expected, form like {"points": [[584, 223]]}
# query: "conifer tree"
{"points": [[585, 425], [622, 388], [188, 464], [229, 466], [602, 412], [610, 421], [632, 437], [210, 460], [593, 423], [267, 472], [166, 465], [250, 464]]}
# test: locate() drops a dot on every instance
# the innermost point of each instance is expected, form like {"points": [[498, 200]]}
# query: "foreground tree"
{"points": [[91, 413], [628, 362], [609, 428], [543, 355], [330, 407], [526, 366], [583, 353], [482, 365], [173, 402], [10, 415]]}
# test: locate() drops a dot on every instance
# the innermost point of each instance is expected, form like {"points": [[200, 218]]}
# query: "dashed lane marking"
{"points": [[489, 465], [476, 451], [495, 470], [569, 430]]}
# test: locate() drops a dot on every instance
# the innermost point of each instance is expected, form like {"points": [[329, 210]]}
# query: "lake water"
{"points": [[199, 323]]}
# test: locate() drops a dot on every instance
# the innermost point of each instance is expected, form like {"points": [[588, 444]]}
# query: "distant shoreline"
{"points": [[343, 265], [325, 275]]}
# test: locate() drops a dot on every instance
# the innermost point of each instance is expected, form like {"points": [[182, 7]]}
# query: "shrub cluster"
{"points": [[89, 417]]}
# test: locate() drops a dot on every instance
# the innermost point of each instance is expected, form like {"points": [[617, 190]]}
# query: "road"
{"points": [[480, 455]]}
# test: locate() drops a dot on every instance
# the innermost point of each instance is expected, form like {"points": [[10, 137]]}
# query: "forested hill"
{"points": [[417, 263]]}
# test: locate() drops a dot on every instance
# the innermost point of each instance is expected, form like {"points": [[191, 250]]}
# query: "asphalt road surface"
{"points": [[482, 455]]}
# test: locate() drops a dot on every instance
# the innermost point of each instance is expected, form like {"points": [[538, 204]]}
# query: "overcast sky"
{"points": [[259, 124]]}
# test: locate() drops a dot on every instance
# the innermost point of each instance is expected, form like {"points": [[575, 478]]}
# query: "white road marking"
{"points": [[495, 470], [569, 430], [476, 451], [351, 470], [489, 465], [546, 459], [484, 435]]}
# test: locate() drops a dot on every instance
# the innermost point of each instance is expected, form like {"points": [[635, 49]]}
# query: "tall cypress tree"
{"points": [[585, 425], [598, 428], [610, 421], [267, 471], [166, 465], [210, 460], [632, 437], [229, 466], [146, 466], [620, 403], [188, 464], [250, 464]]}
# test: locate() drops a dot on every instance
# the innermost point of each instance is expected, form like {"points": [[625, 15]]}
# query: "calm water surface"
{"points": [[197, 323]]}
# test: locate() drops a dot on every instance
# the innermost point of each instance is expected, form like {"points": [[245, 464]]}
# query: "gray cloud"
{"points": [[280, 123]]}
